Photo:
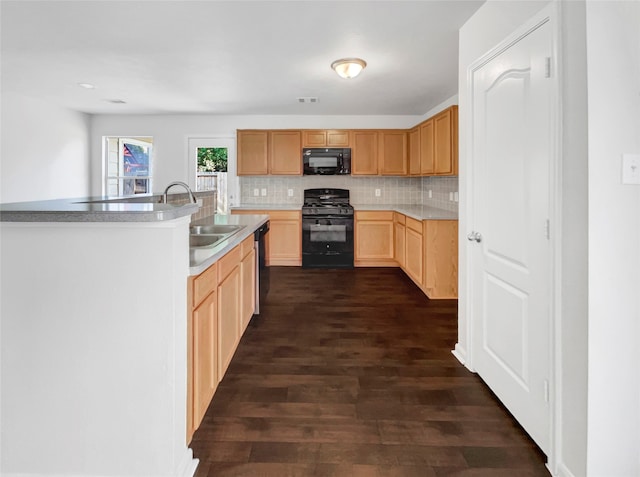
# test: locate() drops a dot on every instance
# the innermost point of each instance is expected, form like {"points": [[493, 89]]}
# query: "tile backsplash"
{"points": [[393, 190]]}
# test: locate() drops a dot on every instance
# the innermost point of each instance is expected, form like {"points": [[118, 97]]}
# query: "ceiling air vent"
{"points": [[307, 99]]}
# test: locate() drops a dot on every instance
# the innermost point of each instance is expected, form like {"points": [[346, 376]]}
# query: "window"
{"points": [[128, 165], [211, 162]]}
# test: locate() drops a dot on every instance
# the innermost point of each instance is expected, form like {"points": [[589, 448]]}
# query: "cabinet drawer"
{"points": [[374, 215], [398, 218], [414, 225], [246, 245], [204, 284], [230, 261], [284, 214]]}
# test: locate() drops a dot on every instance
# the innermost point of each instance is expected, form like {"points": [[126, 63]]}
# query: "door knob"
{"points": [[477, 236]]}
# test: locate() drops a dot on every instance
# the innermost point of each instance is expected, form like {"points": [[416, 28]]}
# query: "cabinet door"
{"points": [[337, 138], [285, 241], [414, 256], [374, 244], [399, 243], [426, 148], [364, 152], [285, 153], [443, 131], [393, 153], [228, 319], [252, 152], [314, 138], [414, 152], [205, 358], [248, 269], [441, 258]]}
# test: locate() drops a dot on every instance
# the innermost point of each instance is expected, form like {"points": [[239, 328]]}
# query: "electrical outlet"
{"points": [[631, 168], [377, 192], [263, 192], [289, 192], [451, 196], [455, 196], [256, 192], [430, 194]]}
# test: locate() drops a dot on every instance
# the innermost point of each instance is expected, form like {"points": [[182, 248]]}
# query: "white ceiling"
{"points": [[233, 57]]}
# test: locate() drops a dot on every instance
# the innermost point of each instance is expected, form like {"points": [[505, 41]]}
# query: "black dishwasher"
{"points": [[262, 271]]}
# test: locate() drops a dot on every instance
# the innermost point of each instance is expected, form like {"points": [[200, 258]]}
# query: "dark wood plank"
{"points": [[350, 373]]}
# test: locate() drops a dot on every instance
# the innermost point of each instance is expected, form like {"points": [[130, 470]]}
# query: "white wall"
{"points": [[170, 135], [613, 59], [44, 152]]}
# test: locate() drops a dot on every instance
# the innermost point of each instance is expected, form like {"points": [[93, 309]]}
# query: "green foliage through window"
{"points": [[212, 159]]}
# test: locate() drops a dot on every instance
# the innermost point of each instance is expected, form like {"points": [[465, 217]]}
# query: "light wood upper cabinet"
{"points": [[285, 153], [253, 152], [364, 152], [446, 142], [392, 152], [414, 152], [325, 138], [374, 246], [427, 148], [441, 258], [262, 152]]}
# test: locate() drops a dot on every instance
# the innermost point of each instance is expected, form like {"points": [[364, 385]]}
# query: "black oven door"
{"points": [[327, 241]]}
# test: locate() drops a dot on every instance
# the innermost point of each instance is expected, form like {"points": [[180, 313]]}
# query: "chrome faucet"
{"points": [[191, 196]]}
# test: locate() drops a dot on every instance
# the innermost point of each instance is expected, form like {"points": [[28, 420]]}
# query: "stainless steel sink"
{"points": [[199, 240], [214, 229]]}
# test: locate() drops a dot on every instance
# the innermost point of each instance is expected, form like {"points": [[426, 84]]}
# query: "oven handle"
{"points": [[318, 217]]}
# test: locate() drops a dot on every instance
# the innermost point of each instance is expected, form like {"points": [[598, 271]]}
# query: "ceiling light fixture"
{"points": [[348, 67]]}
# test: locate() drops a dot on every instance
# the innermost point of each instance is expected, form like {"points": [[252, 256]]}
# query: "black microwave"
{"points": [[326, 161]]}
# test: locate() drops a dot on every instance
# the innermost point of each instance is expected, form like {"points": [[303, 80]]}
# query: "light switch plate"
{"points": [[631, 168], [256, 192], [263, 192], [377, 192], [289, 192]]}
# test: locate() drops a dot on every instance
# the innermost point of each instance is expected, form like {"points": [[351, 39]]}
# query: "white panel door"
{"points": [[509, 246]]}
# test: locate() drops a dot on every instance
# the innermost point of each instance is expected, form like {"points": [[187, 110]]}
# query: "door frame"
{"points": [[464, 351]]}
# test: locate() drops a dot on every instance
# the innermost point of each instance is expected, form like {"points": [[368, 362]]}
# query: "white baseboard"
{"points": [[561, 471]]}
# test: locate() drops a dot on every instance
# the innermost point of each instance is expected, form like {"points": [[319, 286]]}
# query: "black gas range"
{"points": [[327, 229]]}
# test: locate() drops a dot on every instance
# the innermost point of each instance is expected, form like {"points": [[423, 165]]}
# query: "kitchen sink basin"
{"points": [[214, 229], [205, 240]]}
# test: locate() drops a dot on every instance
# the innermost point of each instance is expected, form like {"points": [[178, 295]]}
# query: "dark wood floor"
{"points": [[350, 373]]}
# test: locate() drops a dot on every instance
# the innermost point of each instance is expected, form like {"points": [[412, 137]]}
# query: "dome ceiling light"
{"points": [[348, 67]]}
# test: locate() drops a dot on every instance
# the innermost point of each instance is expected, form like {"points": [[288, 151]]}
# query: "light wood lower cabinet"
{"points": [[221, 302], [399, 242], [202, 345], [427, 251], [205, 350], [373, 239], [248, 271], [441, 258], [229, 302], [283, 242], [414, 251]]}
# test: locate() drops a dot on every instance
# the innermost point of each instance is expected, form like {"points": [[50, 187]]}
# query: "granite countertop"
{"points": [[201, 258], [93, 209], [267, 207], [418, 212]]}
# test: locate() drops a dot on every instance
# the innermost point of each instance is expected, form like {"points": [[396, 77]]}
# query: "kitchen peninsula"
{"points": [[94, 335]]}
